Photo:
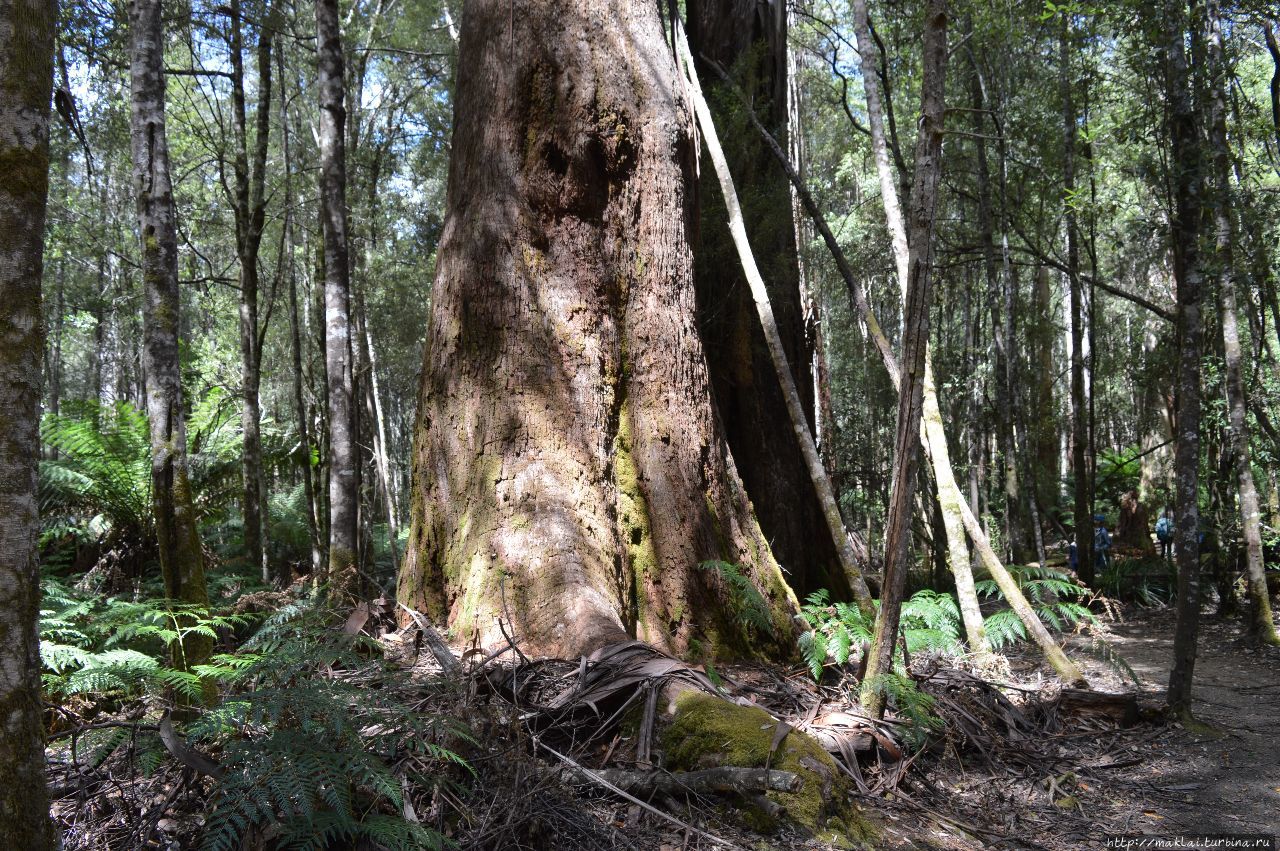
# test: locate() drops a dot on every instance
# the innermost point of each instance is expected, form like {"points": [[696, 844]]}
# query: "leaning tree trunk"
{"points": [[1187, 178], [181, 556], [343, 573], [26, 77], [749, 40], [1261, 627], [569, 472]]}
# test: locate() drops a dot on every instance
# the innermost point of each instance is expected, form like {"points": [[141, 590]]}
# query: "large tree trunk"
{"points": [[1261, 627], [1186, 161], [181, 555], [343, 574], [569, 471], [749, 40], [26, 77]]}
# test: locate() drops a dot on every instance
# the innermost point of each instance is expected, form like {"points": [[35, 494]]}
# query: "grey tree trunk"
{"points": [[26, 82], [1186, 161], [343, 572], [569, 474], [1080, 448], [1261, 626], [295, 342], [248, 202], [181, 555], [915, 343]]}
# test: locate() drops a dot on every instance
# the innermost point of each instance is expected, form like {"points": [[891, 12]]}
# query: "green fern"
{"points": [[930, 621], [1057, 600], [746, 599]]}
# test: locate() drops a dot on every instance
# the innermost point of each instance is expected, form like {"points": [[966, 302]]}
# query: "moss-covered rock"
{"points": [[708, 731]]}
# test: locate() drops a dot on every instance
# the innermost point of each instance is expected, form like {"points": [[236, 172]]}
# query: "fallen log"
{"points": [[1119, 709]]}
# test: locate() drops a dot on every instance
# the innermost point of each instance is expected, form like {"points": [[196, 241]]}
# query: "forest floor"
{"points": [[1218, 776], [1094, 782]]}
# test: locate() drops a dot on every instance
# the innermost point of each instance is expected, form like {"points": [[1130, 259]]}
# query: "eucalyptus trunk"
{"points": [[1080, 447], [249, 202], [343, 571], [181, 554], [748, 40], [569, 473], [26, 75], [1261, 626], [1186, 162]]}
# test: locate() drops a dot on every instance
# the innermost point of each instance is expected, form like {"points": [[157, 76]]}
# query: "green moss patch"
{"points": [[709, 731]]}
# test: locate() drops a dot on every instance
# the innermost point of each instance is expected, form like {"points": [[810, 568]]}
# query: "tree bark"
{"points": [[915, 343], [295, 345], [1080, 446], [343, 572], [936, 449], [248, 202], [749, 40], [949, 496], [1261, 626], [803, 437], [181, 555], [569, 473], [1186, 162], [26, 78]]}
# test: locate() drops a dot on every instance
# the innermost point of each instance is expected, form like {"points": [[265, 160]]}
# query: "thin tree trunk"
{"points": [[1080, 446], [941, 466], [1261, 627], [569, 475], [295, 342], [949, 496], [248, 201], [343, 573], [1186, 161], [915, 342], [26, 76], [181, 555], [777, 353]]}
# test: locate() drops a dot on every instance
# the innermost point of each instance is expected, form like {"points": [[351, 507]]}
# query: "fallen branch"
{"points": [[594, 777], [435, 642]]}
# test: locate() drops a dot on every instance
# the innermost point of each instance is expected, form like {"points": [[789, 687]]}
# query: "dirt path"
{"points": [[1220, 780]]}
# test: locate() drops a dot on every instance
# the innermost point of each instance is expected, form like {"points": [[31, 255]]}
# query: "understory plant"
{"points": [[313, 740]]}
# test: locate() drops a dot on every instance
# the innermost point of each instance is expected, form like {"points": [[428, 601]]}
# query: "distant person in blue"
{"points": [[1101, 542], [1164, 534]]}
